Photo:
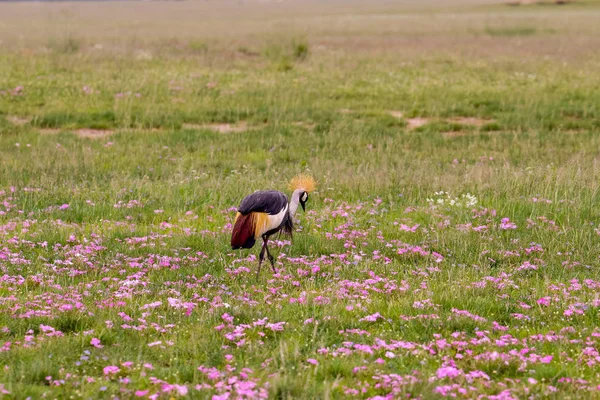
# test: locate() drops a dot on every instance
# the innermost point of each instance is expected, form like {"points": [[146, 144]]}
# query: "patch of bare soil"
{"points": [[519, 2], [414, 123], [140, 130], [13, 119], [85, 132], [93, 133], [529, 2], [345, 111], [411, 123], [221, 128], [470, 121]]}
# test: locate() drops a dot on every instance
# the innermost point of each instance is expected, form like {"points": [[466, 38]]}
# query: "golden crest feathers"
{"points": [[304, 182]]}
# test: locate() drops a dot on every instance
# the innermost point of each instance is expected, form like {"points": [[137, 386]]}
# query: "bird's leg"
{"points": [[261, 257], [271, 259]]}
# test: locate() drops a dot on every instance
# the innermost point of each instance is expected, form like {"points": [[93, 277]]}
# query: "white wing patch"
{"points": [[274, 221]]}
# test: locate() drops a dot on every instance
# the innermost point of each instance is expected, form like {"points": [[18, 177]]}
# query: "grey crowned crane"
{"points": [[267, 212]]}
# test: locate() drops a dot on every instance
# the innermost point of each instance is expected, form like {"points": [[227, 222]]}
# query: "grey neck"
{"points": [[295, 201]]}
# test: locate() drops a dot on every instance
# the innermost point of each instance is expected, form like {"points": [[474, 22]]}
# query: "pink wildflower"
{"points": [[506, 224], [111, 370], [448, 372], [372, 317]]}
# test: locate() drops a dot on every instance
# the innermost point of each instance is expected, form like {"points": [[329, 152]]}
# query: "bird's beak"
{"points": [[303, 209]]}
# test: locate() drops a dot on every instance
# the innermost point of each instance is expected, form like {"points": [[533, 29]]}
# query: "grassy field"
{"points": [[451, 249]]}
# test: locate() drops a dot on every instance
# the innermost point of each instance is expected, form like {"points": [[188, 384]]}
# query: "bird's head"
{"points": [[300, 196], [302, 185], [302, 200]]}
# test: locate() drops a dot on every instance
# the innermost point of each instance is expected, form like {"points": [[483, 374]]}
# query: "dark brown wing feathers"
{"points": [[265, 201]]}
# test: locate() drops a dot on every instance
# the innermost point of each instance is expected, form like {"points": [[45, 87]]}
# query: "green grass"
{"points": [[510, 32], [122, 129]]}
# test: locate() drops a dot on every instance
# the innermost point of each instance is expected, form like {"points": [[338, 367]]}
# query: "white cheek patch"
{"points": [[304, 197]]}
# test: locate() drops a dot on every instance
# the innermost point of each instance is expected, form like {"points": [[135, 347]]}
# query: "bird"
{"points": [[267, 212]]}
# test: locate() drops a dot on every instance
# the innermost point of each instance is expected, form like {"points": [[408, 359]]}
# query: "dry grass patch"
{"points": [[396, 114], [84, 132], [18, 121], [241, 126], [93, 133], [574, 131], [453, 134]]}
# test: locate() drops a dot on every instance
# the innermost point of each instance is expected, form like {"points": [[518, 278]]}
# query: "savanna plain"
{"points": [[451, 248]]}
